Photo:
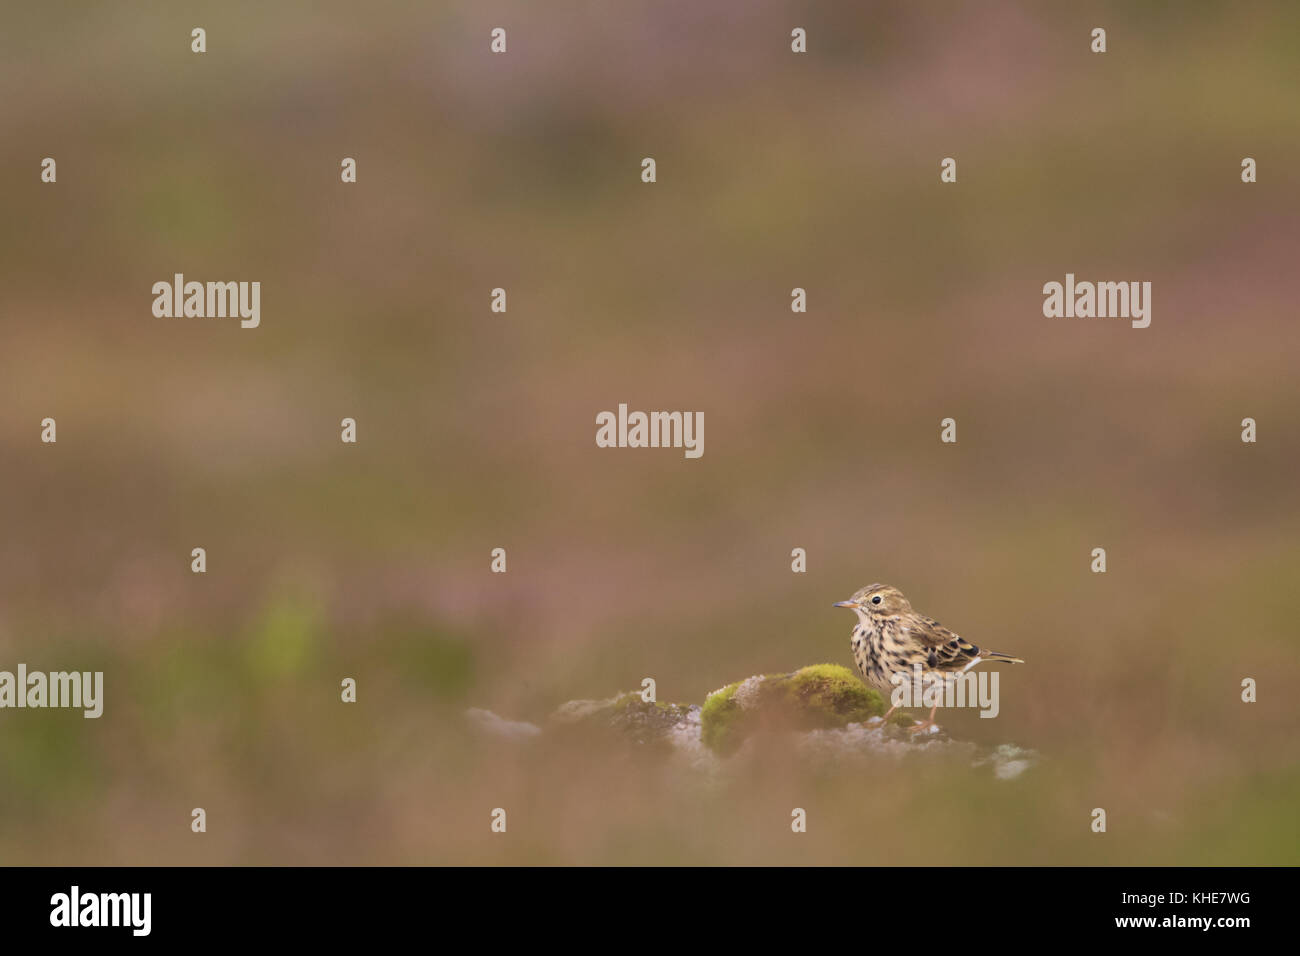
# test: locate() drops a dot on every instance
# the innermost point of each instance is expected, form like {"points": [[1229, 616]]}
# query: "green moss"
{"points": [[719, 713], [832, 690], [631, 701], [819, 696]]}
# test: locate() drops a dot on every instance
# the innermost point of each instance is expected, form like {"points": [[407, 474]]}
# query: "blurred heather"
{"points": [[477, 430]]}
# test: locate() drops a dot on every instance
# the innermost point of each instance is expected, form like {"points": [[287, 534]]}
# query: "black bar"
{"points": [[330, 905]]}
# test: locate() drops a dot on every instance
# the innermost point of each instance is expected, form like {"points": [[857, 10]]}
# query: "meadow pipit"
{"points": [[890, 638]]}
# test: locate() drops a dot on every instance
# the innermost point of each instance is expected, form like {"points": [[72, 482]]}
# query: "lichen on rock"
{"points": [[823, 714], [816, 697], [628, 715]]}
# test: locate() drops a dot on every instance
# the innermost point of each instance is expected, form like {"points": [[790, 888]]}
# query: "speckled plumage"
{"points": [[889, 637]]}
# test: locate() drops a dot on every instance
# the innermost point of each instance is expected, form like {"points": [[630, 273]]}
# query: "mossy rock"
{"points": [[811, 698], [627, 715]]}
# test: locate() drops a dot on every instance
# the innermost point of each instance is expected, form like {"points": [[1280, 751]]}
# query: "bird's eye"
{"points": [[876, 599]]}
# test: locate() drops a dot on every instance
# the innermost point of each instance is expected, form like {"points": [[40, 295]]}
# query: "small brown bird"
{"points": [[890, 637]]}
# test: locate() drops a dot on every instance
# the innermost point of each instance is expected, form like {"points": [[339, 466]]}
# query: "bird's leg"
{"points": [[927, 723], [885, 719]]}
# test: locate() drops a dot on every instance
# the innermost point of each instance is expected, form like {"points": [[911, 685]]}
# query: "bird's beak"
{"points": [[845, 604]]}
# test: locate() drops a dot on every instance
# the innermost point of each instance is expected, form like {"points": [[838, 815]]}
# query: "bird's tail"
{"points": [[1003, 658]]}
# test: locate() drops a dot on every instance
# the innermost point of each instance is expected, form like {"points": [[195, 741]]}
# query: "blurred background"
{"points": [[476, 430]]}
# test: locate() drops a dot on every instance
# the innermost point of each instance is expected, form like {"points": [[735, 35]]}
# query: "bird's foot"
{"points": [[924, 727]]}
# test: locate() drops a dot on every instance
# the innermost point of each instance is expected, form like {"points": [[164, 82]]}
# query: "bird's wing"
{"points": [[930, 633], [946, 650]]}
